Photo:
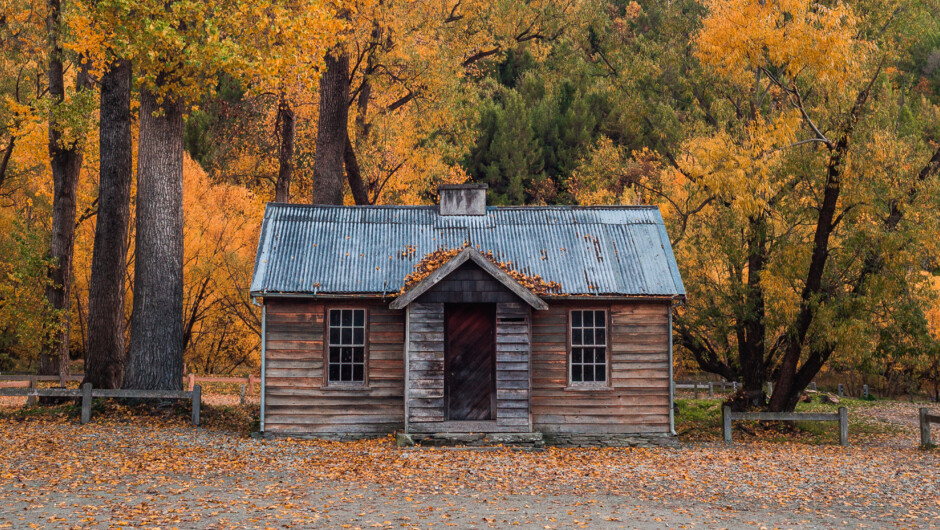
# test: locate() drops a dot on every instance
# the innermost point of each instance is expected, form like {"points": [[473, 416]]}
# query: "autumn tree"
{"points": [[395, 80], [65, 154], [795, 248]]}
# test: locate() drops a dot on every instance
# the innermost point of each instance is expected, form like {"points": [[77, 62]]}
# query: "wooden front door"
{"points": [[469, 361]]}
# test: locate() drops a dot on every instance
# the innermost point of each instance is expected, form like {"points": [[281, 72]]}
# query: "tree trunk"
{"points": [[286, 128], [66, 163], [328, 175], [156, 353], [105, 357], [357, 186]]}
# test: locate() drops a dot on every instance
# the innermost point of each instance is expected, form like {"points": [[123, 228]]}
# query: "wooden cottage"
{"points": [[348, 350]]}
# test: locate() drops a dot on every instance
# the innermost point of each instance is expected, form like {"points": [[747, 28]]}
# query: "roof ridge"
{"points": [[434, 206]]}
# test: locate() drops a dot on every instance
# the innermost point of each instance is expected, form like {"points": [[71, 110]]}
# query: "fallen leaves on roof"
{"points": [[433, 261]]}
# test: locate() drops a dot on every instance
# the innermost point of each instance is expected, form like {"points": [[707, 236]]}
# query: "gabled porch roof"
{"points": [[465, 255]]}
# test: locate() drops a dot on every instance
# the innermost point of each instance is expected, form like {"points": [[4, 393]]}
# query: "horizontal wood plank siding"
{"points": [[512, 367], [426, 363], [297, 400], [637, 399]]}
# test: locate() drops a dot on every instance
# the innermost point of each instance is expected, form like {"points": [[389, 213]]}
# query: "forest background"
{"points": [[793, 147]]}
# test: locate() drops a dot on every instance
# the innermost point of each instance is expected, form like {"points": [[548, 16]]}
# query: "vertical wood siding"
{"points": [[637, 400], [296, 397]]}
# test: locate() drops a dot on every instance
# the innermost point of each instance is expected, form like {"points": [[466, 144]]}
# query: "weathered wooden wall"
{"points": [[512, 366], [637, 400], [426, 364], [297, 399]]}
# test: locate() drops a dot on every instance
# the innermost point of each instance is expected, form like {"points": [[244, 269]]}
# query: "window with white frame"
{"points": [[347, 346], [588, 346]]}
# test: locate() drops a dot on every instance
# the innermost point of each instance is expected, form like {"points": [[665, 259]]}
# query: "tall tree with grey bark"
{"points": [[105, 356], [156, 352], [328, 174]]}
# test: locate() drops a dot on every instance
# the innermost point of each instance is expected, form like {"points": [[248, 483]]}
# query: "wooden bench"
{"points": [[87, 393], [842, 417], [925, 420]]}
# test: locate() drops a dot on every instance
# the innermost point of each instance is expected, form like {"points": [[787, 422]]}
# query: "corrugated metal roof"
{"points": [[622, 251]]}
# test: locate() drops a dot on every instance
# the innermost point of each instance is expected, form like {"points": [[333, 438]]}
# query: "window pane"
{"points": [[334, 317], [588, 318], [347, 336], [600, 337], [576, 375], [334, 335], [600, 373], [576, 337], [360, 317], [346, 374], [334, 372], [358, 355], [358, 336], [599, 355], [589, 374], [576, 355], [358, 371], [334, 355], [599, 319], [575, 318], [347, 355]]}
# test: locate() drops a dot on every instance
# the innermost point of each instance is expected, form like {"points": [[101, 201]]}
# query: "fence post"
{"points": [[197, 402], [841, 390], [711, 389], [192, 381], [726, 423], [865, 391], [86, 403], [695, 385], [734, 386], [924, 428], [31, 400], [770, 388], [843, 426], [251, 383], [243, 394]]}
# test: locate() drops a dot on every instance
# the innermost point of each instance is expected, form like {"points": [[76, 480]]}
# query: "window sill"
{"points": [[340, 387], [589, 388]]}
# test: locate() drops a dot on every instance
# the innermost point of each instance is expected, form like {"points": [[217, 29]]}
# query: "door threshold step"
{"points": [[506, 439]]}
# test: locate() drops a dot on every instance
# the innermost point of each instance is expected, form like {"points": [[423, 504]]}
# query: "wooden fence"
{"points": [[15, 381], [842, 417], [925, 420], [246, 382], [87, 393]]}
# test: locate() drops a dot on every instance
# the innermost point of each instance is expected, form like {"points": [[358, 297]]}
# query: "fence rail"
{"points": [[87, 393], [727, 416], [925, 420], [189, 379]]}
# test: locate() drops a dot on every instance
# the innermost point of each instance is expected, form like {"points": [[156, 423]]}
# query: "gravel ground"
{"points": [[149, 473]]}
